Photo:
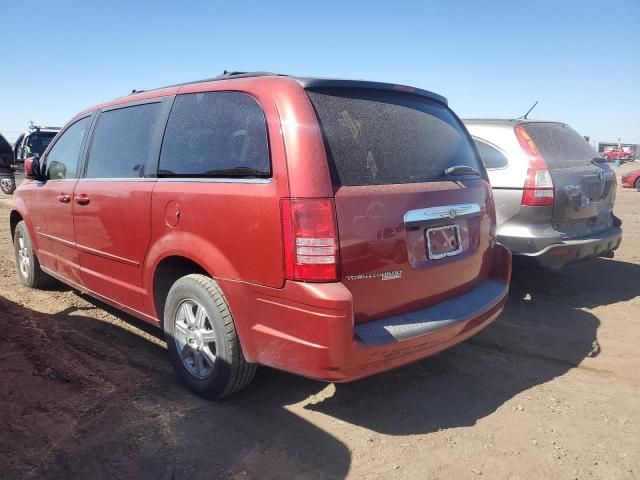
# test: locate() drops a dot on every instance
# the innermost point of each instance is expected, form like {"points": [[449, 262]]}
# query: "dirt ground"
{"points": [[550, 390]]}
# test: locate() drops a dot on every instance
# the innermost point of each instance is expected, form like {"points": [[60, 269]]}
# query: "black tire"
{"points": [[638, 184], [190, 353], [29, 273]]}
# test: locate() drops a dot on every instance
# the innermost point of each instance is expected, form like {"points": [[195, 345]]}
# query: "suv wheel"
{"points": [[29, 271], [7, 185], [202, 339]]}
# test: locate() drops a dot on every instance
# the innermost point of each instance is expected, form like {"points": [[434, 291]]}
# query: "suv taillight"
{"points": [[538, 186], [310, 239]]}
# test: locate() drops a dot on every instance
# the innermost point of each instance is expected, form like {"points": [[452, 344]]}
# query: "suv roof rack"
{"points": [[34, 128], [314, 82], [225, 75]]}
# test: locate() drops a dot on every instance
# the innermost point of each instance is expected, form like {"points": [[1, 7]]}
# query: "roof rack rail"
{"points": [[35, 127], [225, 75]]}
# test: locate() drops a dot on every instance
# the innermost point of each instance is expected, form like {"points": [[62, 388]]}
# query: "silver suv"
{"points": [[553, 192]]}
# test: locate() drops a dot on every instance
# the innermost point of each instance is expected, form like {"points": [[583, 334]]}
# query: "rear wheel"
{"points": [[202, 339], [638, 184], [29, 271]]}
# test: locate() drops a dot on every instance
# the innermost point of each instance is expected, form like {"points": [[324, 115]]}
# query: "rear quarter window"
{"points": [[491, 156], [560, 145], [215, 134], [374, 137]]}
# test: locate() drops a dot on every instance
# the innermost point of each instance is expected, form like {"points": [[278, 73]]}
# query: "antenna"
{"points": [[528, 112]]}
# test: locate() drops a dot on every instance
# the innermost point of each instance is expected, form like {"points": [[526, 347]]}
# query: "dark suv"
{"points": [[7, 179], [330, 228]]}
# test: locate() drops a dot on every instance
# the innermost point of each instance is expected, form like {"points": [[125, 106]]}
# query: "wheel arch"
{"points": [[178, 252], [14, 218], [166, 272]]}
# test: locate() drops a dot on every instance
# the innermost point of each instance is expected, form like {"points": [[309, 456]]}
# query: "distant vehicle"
{"points": [[7, 178], [33, 142], [631, 180], [618, 155], [330, 228], [554, 194]]}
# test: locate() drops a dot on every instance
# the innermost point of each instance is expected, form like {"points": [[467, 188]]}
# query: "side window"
{"points": [[125, 141], [491, 156], [215, 134], [62, 159]]}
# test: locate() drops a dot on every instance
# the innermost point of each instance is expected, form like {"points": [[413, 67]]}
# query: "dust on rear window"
{"points": [[375, 137], [560, 145]]}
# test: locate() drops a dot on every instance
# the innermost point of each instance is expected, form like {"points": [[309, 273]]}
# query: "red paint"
{"points": [[618, 154], [108, 238], [630, 179]]}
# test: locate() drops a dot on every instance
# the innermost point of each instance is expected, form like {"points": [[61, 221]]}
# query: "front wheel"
{"points": [[202, 338], [8, 185], [638, 184], [29, 271]]}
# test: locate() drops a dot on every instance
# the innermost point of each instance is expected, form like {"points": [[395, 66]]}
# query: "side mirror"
{"points": [[32, 168]]}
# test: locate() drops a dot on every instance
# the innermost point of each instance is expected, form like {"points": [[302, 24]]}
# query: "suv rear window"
{"points": [[560, 145], [376, 137]]}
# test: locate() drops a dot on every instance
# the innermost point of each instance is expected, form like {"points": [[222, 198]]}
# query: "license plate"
{"points": [[443, 241]]}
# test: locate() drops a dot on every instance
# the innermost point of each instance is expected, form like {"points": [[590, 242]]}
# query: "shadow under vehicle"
{"points": [[142, 425]]}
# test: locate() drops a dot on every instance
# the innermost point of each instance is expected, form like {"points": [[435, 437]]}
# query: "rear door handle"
{"points": [[82, 199], [64, 198]]}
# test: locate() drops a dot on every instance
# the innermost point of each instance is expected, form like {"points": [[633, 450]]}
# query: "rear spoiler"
{"points": [[312, 83]]}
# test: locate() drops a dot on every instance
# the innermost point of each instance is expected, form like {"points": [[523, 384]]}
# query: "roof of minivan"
{"points": [[304, 82], [505, 121]]}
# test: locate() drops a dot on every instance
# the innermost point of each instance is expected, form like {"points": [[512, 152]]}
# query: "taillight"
{"points": [[538, 186], [310, 239]]}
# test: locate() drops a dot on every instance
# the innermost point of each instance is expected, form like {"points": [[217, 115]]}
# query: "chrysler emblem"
{"points": [[452, 213]]}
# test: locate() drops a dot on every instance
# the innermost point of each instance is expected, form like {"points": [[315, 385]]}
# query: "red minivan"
{"points": [[330, 228]]}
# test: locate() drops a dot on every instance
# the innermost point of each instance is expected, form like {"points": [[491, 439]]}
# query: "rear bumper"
{"points": [[560, 254], [308, 329]]}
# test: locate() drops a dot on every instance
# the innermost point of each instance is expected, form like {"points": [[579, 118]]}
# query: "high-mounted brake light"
{"points": [[538, 185], [310, 239], [404, 88]]}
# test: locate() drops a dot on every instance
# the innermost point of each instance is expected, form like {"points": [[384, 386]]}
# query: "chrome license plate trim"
{"points": [[450, 253]]}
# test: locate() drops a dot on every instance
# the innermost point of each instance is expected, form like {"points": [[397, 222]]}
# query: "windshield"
{"points": [[376, 137]]}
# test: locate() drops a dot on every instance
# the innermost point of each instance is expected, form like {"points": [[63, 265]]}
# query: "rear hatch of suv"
{"points": [[583, 184], [410, 235]]}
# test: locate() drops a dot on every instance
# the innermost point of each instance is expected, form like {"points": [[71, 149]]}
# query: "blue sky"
{"points": [[489, 58]]}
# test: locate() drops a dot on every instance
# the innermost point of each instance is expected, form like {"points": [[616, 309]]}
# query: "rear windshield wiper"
{"points": [[461, 170]]}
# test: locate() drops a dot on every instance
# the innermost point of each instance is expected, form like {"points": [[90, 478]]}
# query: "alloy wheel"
{"points": [[24, 261], [195, 339]]}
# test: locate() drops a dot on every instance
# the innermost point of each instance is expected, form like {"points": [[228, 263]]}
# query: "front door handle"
{"points": [[64, 198], [82, 200]]}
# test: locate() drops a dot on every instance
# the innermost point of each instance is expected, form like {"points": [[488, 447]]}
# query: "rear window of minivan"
{"points": [[375, 137], [560, 145]]}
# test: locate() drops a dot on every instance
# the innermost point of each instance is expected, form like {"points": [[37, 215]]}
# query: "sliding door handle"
{"points": [[82, 200]]}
